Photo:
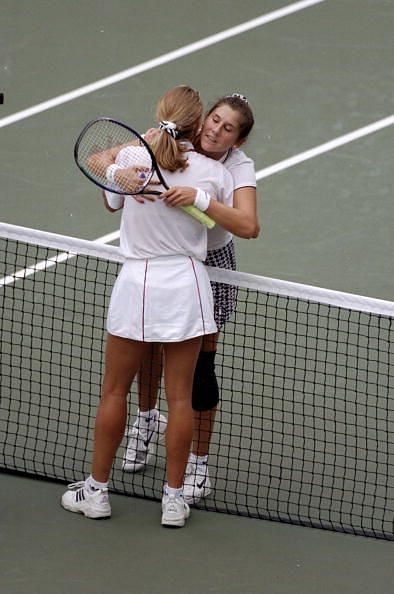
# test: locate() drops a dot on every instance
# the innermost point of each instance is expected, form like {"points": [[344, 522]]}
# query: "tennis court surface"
{"points": [[304, 436]]}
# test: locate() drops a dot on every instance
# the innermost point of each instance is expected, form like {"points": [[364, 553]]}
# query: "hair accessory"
{"points": [[169, 127], [239, 96]]}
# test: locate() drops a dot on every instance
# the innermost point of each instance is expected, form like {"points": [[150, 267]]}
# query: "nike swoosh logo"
{"points": [[200, 485], [149, 438]]}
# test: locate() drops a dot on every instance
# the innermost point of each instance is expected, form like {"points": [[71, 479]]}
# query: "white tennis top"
{"points": [[243, 173], [153, 229]]}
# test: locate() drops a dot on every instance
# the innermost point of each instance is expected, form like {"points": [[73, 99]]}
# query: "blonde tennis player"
{"points": [[162, 295], [225, 129]]}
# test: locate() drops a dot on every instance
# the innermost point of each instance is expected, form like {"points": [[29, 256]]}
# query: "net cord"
{"points": [[72, 246]]}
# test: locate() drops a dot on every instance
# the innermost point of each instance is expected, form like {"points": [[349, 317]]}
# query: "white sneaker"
{"points": [[196, 484], [144, 436], [92, 505], [175, 511]]}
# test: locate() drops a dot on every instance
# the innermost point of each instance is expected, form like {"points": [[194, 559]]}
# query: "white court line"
{"points": [[159, 61], [75, 246], [43, 265], [211, 40], [324, 148], [306, 155], [263, 173]]}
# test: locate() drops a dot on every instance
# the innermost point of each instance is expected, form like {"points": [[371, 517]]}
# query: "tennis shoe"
{"points": [[143, 439], [80, 500], [196, 484], [175, 511]]}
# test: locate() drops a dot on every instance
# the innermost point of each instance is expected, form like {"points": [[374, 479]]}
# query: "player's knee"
{"points": [[205, 385]]}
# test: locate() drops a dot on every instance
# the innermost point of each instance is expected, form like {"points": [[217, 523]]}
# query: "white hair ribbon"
{"points": [[169, 127]]}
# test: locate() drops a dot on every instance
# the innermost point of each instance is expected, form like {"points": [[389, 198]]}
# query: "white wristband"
{"points": [[201, 200], [110, 173], [115, 201]]}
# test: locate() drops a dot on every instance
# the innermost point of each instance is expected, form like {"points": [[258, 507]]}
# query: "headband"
{"points": [[239, 96], [169, 127]]}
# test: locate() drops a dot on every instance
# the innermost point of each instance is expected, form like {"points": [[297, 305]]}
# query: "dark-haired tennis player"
{"points": [[226, 127], [162, 295]]}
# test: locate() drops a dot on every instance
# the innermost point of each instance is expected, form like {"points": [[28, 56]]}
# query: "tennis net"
{"points": [[305, 429]]}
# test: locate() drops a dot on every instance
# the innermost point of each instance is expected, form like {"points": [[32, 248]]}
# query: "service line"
{"points": [[159, 61]]}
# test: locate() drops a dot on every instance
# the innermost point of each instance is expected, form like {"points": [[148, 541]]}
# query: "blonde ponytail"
{"points": [[179, 112]]}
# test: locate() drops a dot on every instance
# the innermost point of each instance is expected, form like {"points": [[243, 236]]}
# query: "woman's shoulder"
{"points": [[237, 157]]}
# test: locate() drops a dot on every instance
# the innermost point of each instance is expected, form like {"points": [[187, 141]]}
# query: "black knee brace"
{"points": [[205, 385]]}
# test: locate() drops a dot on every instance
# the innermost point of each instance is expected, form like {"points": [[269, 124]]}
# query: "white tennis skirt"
{"points": [[166, 299]]}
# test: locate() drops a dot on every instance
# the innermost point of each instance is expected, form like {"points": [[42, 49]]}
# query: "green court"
{"points": [[318, 75]]}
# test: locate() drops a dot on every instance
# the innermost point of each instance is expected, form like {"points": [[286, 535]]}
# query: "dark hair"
{"points": [[240, 104]]}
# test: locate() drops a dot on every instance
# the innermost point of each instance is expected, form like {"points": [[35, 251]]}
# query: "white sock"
{"points": [[149, 415], [198, 459], [173, 491], [92, 485]]}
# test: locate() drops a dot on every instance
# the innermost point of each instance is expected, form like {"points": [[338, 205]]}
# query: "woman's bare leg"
{"points": [[204, 420], [149, 377], [202, 431], [122, 360], [179, 365]]}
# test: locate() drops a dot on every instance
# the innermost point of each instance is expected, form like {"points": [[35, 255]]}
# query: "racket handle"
{"points": [[199, 215]]}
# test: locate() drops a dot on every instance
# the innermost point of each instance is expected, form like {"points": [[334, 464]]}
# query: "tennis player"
{"points": [[162, 295], [225, 129]]}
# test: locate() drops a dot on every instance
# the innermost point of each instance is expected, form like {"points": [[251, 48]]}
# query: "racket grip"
{"points": [[199, 215]]}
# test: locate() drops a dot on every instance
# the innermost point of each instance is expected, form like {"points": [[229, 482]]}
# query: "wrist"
{"points": [[202, 200], [110, 172]]}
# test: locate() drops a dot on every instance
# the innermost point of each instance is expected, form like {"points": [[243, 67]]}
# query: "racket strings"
{"points": [[118, 159], [114, 157]]}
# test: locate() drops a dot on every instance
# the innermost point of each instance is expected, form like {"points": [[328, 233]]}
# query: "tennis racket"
{"points": [[118, 159]]}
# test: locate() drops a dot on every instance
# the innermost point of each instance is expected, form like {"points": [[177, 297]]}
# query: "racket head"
{"points": [[104, 142]]}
